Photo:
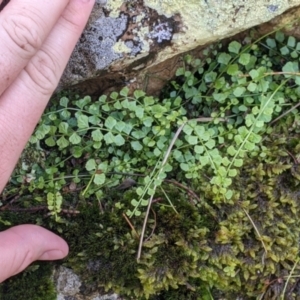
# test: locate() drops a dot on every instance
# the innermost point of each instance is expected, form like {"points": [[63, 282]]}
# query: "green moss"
{"points": [[103, 250], [34, 284]]}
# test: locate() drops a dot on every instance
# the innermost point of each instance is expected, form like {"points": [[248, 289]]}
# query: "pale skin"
{"points": [[37, 38]]}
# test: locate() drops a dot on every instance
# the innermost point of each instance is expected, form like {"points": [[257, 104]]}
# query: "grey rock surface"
{"points": [[124, 37], [69, 287]]}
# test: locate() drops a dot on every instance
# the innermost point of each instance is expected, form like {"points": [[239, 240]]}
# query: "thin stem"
{"points": [[288, 279], [167, 154], [257, 231], [151, 198], [285, 113]]}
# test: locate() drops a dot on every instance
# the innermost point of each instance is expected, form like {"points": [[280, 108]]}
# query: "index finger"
{"points": [[24, 26]]}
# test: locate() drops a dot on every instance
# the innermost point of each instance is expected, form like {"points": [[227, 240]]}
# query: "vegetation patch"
{"points": [[201, 184]]}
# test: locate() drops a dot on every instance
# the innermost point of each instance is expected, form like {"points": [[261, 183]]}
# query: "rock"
{"points": [[69, 287], [125, 38]]}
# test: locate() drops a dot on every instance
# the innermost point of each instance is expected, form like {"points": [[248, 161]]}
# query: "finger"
{"points": [[25, 24], [22, 104], [3, 4], [21, 245]]}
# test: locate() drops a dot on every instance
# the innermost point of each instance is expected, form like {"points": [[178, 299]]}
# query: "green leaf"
{"points": [[102, 99], [97, 135], [294, 54], [138, 94], [90, 165], [118, 105], [255, 110], [114, 95], [65, 114], [279, 36], [64, 101], [97, 145], [157, 152], [94, 120], [292, 67], [120, 126], [198, 149], [148, 101], [222, 171], [119, 140], [249, 146], [271, 43], [219, 83], [224, 58], [134, 203], [254, 74], [284, 50], [291, 42], [62, 142], [229, 195], [99, 179], [180, 71], [244, 59], [144, 202], [238, 139], [148, 121], [243, 107], [210, 77], [136, 145], [83, 102], [124, 91], [94, 109], [52, 117], [127, 129], [105, 107], [220, 97], [50, 141], [259, 124], [110, 122], [238, 162], [77, 151], [63, 127], [109, 138], [139, 112], [233, 69], [158, 110], [205, 136], [184, 167], [225, 161], [210, 144], [187, 129], [199, 130], [252, 86], [249, 120], [231, 150], [83, 121], [234, 47], [239, 91], [74, 138], [191, 139], [204, 160]]}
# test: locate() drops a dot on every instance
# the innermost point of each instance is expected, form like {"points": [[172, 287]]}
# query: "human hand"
{"points": [[21, 245], [37, 38]]}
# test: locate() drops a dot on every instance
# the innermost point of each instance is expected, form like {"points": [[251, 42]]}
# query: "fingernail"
{"points": [[53, 255]]}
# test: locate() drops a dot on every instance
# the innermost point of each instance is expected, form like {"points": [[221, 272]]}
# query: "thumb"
{"points": [[23, 244]]}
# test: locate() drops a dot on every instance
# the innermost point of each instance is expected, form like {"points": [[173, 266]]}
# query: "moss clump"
{"points": [[103, 250], [33, 284]]}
